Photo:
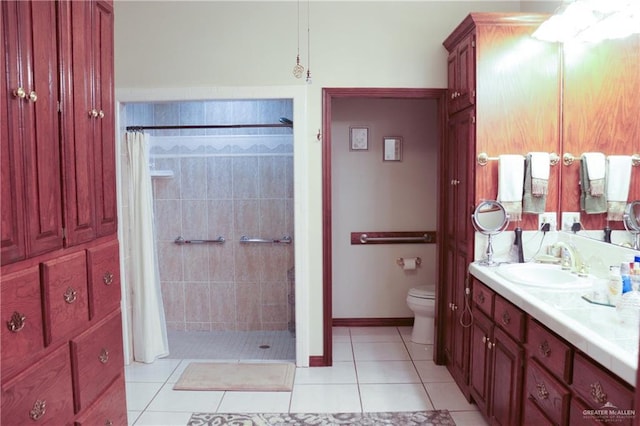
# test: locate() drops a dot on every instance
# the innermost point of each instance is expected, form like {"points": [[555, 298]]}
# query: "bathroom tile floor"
{"points": [[374, 369]]}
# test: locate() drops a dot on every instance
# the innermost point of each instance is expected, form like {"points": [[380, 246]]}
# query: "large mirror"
{"points": [[490, 218], [631, 221]]}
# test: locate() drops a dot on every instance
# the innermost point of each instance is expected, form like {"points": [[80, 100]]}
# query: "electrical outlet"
{"points": [[568, 219], [547, 217]]}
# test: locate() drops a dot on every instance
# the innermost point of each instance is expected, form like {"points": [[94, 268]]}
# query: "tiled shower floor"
{"points": [[258, 345]]}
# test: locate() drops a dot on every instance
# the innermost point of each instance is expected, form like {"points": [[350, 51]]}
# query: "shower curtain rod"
{"points": [[206, 126]]}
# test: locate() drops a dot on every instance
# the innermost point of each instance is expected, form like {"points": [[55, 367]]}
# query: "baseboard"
{"points": [[317, 361], [372, 322]]}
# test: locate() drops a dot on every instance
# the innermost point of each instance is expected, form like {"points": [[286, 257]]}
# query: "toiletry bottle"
{"points": [[615, 285], [625, 277]]}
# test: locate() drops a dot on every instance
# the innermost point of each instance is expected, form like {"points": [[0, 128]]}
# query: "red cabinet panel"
{"points": [[509, 318], [550, 350], [42, 394], [108, 409], [547, 393], [22, 328], [65, 295], [104, 279]]}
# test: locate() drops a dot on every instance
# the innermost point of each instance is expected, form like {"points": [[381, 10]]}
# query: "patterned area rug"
{"points": [[414, 418]]}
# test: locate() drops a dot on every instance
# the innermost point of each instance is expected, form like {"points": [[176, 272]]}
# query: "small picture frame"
{"points": [[358, 138], [392, 148]]}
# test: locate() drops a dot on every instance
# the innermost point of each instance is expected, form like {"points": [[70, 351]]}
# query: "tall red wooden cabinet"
{"points": [[61, 348]]}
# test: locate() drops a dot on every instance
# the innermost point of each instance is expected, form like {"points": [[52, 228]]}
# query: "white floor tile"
{"points": [[325, 399], [405, 331], [132, 416], [340, 372], [185, 401], [341, 334], [468, 418], [159, 418], [430, 372], [375, 334], [387, 372], [255, 402], [342, 351], [158, 371], [394, 397], [380, 351], [140, 394], [447, 396], [418, 351]]}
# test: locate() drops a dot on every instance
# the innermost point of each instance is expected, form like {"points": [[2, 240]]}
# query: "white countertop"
{"points": [[594, 329]]}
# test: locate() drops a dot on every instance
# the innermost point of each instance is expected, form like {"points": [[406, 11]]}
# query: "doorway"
{"points": [[331, 99]]}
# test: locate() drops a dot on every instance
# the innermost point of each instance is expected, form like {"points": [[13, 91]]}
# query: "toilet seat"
{"points": [[423, 292]]}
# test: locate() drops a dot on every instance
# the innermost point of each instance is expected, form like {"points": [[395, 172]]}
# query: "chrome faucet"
{"points": [[575, 262]]}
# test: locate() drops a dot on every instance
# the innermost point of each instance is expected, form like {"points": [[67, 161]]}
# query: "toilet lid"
{"points": [[423, 292]]}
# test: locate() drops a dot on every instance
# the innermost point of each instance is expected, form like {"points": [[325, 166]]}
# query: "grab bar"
{"points": [[364, 238], [181, 241], [284, 240]]}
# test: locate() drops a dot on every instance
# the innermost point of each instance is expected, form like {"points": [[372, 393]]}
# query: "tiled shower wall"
{"points": [[229, 183]]}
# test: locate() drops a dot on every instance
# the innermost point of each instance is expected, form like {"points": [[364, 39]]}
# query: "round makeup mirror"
{"points": [[490, 218], [631, 219]]}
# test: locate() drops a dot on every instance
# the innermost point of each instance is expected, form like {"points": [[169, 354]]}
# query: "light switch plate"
{"points": [[548, 217], [568, 219]]}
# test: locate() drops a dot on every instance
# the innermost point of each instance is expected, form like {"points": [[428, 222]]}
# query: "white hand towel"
{"points": [[596, 167], [511, 184], [618, 182], [539, 173]]}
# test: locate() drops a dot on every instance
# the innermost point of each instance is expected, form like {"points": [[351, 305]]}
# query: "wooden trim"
{"points": [[373, 322], [328, 94]]}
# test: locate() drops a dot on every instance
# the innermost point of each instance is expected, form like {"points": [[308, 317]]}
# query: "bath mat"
{"points": [[411, 418], [237, 376]]}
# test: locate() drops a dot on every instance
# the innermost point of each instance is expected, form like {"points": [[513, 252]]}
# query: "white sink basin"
{"points": [[542, 275]]}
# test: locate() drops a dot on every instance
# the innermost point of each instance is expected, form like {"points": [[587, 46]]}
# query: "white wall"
{"points": [[369, 194], [182, 46]]}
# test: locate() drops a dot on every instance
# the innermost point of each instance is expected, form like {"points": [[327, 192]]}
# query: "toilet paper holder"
{"points": [[400, 261]]}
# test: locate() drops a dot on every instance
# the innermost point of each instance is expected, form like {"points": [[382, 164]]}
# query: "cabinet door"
{"points": [[104, 155], [479, 365], [466, 72], [31, 61], [508, 363]]}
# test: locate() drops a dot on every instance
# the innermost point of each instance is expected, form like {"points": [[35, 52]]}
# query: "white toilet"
{"points": [[422, 301]]}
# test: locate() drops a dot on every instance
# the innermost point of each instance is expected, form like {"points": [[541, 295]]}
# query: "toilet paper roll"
{"points": [[409, 264]]}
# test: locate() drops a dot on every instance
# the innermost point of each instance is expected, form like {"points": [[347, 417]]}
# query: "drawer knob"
{"points": [[506, 318], [38, 410], [19, 93], [481, 297], [597, 393], [544, 349], [108, 423], [16, 323], [107, 279], [104, 356], [33, 96], [543, 393], [70, 295]]}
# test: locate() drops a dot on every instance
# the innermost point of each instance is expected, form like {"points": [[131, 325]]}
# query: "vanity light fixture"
{"points": [[298, 69], [591, 21]]}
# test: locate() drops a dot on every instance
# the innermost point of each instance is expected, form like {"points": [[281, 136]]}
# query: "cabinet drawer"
{"points": [[532, 416], [550, 350], [109, 409], [598, 387], [547, 393], [42, 394], [97, 359], [22, 328], [509, 318], [483, 297], [65, 296], [104, 279], [580, 416]]}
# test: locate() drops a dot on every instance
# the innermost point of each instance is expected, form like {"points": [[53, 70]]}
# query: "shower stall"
{"points": [[222, 175]]}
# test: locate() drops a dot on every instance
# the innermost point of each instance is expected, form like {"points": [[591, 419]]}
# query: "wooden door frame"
{"points": [[328, 95]]}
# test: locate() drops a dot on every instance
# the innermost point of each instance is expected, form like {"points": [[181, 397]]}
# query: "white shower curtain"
{"points": [[149, 330]]}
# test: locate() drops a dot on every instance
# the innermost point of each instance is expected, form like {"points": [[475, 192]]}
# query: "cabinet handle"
{"points": [[16, 323], [38, 410], [597, 393], [454, 307], [489, 344], [506, 318], [543, 393], [33, 96], [104, 356], [93, 113], [101, 114], [70, 295], [108, 423], [107, 279], [19, 93], [544, 349]]}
